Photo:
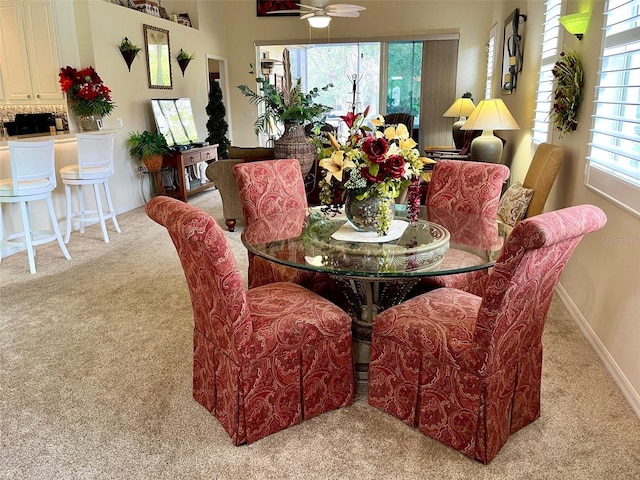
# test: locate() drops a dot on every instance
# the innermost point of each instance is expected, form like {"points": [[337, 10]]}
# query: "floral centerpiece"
{"points": [[88, 95], [373, 163], [568, 80]]}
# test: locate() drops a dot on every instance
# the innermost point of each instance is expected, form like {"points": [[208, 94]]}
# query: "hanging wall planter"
{"points": [[129, 51], [183, 60]]}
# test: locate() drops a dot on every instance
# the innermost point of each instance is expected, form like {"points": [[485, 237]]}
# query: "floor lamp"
{"points": [[460, 109], [490, 114]]}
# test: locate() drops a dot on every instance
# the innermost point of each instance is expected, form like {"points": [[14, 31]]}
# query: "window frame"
{"points": [[612, 169]]}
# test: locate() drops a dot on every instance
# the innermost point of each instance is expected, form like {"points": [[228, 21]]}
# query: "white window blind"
{"points": [[548, 56], [491, 55], [613, 166]]}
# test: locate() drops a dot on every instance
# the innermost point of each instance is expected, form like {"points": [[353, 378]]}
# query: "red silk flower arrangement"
{"points": [[87, 93]]}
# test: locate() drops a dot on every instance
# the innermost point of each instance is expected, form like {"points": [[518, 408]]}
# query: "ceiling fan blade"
{"points": [[310, 7], [343, 7], [307, 15], [343, 14]]}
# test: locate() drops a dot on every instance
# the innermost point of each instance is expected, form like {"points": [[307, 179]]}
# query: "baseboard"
{"points": [[610, 364]]}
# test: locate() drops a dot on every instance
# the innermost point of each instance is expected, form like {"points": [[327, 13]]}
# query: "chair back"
{"points": [[399, 117], [471, 187], [218, 295], [269, 187], [32, 167], [95, 154], [520, 287], [545, 164]]}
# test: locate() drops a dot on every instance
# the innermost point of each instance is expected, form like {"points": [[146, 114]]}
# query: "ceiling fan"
{"points": [[319, 17]]}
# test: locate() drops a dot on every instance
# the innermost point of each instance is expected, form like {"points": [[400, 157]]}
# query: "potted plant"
{"points": [[128, 51], [149, 148], [292, 107], [286, 105], [183, 59]]}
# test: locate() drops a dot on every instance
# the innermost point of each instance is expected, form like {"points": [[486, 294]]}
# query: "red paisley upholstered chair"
{"points": [[464, 369], [463, 186], [469, 187], [266, 358], [266, 188]]}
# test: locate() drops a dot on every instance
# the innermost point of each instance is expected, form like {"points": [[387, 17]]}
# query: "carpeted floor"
{"points": [[95, 382]]}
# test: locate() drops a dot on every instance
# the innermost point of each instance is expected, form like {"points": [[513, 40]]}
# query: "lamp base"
{"points": [[486, 148], [458, 135]]}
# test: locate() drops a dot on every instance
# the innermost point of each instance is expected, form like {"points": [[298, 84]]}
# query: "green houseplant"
{"points": [[286, 105], [149, 148]]}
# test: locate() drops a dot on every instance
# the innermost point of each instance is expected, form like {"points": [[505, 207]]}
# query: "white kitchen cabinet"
{"points": [[29, 62]]}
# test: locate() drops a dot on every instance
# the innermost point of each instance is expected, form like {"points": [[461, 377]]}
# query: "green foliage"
{"points": [[568, 81], [217, 125], [127, 46], [146, 144], [182, 55]]}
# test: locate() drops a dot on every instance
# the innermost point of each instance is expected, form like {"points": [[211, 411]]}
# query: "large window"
{"points": [[613, 168], [548, 57]]}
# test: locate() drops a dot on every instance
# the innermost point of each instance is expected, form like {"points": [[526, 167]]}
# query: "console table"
{"points": [[179, 160]]}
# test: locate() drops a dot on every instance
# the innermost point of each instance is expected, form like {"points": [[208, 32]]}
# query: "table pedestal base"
{"points": [[363, 298]]}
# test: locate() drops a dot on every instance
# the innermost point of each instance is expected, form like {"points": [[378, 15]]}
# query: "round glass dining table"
{"points": [[374, 272]]}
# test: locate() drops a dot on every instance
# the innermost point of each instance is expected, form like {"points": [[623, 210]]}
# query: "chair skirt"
{"points": [[272, 393], [466, 411]]}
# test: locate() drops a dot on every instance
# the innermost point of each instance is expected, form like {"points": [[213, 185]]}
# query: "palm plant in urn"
{"points": [[368, 170], [291, 107]]}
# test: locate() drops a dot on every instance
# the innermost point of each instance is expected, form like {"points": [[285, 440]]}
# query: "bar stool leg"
{"points": [[100, 212], [56, 229], [107, 194], [26, 225], [67, 192], [81, 214]]}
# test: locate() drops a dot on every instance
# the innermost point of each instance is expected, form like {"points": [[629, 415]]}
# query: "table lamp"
{"points": [[490, 114], [461, 108]]}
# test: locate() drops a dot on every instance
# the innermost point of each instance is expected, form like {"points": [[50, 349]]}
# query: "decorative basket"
{"points": [[294, 144]]}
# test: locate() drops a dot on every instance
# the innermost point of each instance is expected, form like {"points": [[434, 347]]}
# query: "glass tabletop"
{"points": [[441, 242]]}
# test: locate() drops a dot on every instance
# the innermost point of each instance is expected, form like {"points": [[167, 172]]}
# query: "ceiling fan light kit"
{"points": [[319, 21]]}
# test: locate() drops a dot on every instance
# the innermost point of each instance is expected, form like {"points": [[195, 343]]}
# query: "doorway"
{"points": [[217, 72]]}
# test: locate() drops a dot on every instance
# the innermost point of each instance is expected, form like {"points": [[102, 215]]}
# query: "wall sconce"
{"points": [[512, 56], [576, 23], [319, 21]]}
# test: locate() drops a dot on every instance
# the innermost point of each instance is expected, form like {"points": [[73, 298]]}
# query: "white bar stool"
{"points": [[32, 178], [94, 167]]}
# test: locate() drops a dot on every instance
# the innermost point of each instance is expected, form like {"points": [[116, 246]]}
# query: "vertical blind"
{"points": [[548, 57], [613, 167]]}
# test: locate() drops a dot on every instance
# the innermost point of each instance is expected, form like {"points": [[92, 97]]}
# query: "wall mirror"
{"points": [[156, 44], [512, 51]]}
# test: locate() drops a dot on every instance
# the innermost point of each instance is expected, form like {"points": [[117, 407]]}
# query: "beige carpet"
{"points": [[95, 382]]}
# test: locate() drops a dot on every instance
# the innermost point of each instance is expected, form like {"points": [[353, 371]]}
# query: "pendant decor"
{"points": [[294, 144], [183, 60], [369, 214], [129, 51]]}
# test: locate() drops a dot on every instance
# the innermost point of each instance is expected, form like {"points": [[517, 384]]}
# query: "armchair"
{"points": [[464, 369], [220, 173]]}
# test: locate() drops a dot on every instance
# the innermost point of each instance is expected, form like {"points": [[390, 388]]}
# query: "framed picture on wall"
{"points": [[269, 8]]}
